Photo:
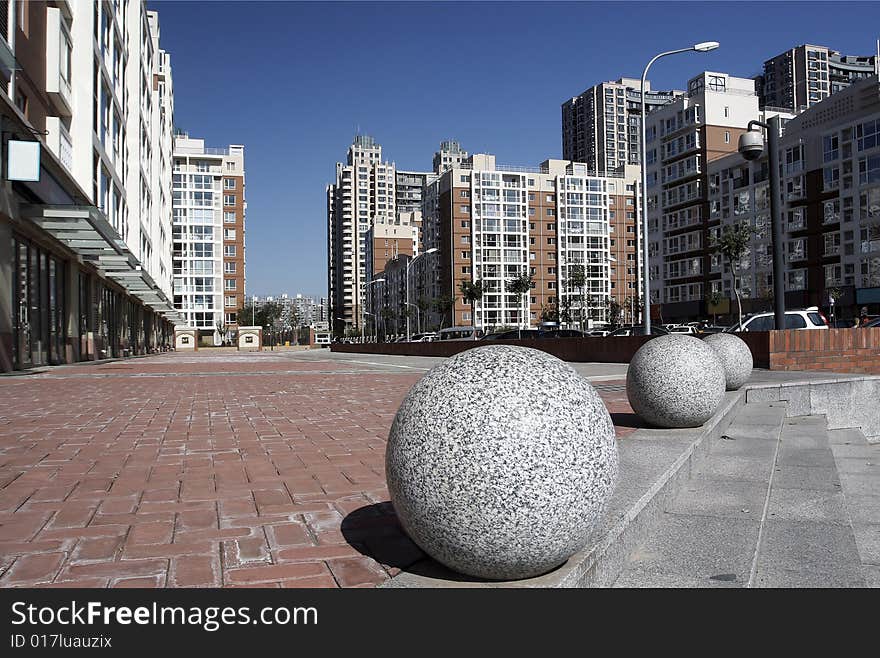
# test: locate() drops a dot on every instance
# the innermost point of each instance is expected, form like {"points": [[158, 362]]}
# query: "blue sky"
{"points": [[294, 81]]}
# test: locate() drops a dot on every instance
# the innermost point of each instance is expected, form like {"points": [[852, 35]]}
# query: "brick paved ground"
{"points": [[260, 470]]}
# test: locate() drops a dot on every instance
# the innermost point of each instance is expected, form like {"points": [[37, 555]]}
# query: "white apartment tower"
{"points": [[209, 224]]}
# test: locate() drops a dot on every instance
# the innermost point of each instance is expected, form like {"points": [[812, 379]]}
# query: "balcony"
{"points": [[58, 66]]}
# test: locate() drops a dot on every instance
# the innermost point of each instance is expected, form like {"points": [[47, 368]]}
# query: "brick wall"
{"points": [[836, 350]]}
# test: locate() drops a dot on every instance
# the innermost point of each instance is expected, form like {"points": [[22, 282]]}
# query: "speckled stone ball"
{"points": [[675, 381], [735, 356], [500, 462]]}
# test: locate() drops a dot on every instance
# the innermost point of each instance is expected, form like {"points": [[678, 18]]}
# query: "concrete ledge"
{"points": [[653, 464], [847, 401]]}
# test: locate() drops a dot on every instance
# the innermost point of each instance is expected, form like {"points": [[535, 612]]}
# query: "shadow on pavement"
{"points": [[622, 419], [374, 531]]}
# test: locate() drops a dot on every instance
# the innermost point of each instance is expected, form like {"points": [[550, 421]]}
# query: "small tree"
{"points": [[713, 298], [577, 279], [471, 291], [520, 285], [444, 304], [387, 316], [615, 312], [423, 304], [733, 244], [834, 295]]}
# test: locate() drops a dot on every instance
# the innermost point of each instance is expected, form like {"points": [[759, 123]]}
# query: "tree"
{"points": [[423, 304], [264, 315], [471, 291], [577, 279], [520, 285], [834, 295], [387, 316], [615, 312], [549, 314], [444, 304], [713, 298], [733, 244]]}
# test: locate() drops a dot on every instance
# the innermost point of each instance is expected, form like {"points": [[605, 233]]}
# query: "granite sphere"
{"points": [[735, 356], [675, 381], [500, 462]]}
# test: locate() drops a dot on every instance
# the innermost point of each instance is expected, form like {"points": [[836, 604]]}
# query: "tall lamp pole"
{"points": [[703, 47], [751, 146], [410, 262]]}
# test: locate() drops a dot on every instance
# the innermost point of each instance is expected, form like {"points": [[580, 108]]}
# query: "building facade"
{"points": [[209, 212], [601, 127], [683, 139], [807, 74], [85, 239], [490, 223]]}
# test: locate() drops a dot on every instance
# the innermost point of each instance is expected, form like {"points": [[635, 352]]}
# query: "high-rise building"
{"points": [[85, 239], [683, 138], [450, 155], [373, 214], [805, 75], [830, 161], [209, 211], [601, 127], [491, 223]]}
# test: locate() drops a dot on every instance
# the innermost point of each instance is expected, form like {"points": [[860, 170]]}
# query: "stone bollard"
{"points": [[735, 357], [675, 381], [500, 462]]}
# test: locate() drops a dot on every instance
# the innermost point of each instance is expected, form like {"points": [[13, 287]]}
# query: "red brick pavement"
{"points": [[113, 479]]}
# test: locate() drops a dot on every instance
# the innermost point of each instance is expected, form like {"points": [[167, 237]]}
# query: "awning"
{"points": [[86, 231]]}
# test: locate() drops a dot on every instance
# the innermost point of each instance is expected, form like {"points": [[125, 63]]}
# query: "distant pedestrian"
{"points": [[863, 317]]}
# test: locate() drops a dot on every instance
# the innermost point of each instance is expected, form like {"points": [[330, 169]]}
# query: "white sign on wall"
{"points": [[23, 160]]}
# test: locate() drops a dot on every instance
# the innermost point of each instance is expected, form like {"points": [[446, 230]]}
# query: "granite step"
{"points": [[762, 508]]}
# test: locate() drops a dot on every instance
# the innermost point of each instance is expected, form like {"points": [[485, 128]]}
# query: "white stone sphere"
{"points": [[675, 381], [500, 462], [735, 356]]}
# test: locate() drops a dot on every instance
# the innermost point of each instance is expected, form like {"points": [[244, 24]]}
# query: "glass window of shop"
{"points": [[39, 301]]}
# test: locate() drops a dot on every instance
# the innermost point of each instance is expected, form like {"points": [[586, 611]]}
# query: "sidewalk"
{"points": [[208, 470]]}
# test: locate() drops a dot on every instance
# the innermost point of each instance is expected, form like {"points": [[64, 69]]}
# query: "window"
{"points": [[868, 134], [464, 209], [228, 183], [229, 250], [228, 199], [229, 217], [229, 268], [230, 284], [727, 137], [465, 194], [551, 226], [830, 150], [726, 111], [230, 301], [869, 169], [229, 234], [466, 255], [551, 212]]}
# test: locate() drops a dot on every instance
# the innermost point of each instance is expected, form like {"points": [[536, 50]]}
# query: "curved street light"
{"points": [[411, 260], [702, 47]]}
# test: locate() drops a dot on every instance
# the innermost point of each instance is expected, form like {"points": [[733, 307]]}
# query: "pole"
{"points": [[406, 305], [646, 279], [773, 127]]}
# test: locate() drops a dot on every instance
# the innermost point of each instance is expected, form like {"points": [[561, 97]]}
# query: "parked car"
{"points": [[516, 334], [459, 333], [809, 318], [597, 332], [639, 330], [683, 329], [873, 323], [426, 337], [563, 333], [711, 329]]}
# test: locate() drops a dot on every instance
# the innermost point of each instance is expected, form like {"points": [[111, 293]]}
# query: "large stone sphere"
{"points": [[735, 356], [675, 381], [500, 462]]}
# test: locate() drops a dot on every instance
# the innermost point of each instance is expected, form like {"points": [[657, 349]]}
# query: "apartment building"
{"points": [[683, 139], [84, 238], [601, 127], [491, 223], [450, 155], [807, 74], [209, 214]]}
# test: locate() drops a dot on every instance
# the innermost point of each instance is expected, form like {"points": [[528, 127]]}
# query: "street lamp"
{"points": [[751, 147], [703, 47], [410, 262]]}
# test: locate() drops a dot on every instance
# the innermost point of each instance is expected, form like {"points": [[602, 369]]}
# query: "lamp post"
{"points": [[703, 47], [429, 251], [751, 146]]}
